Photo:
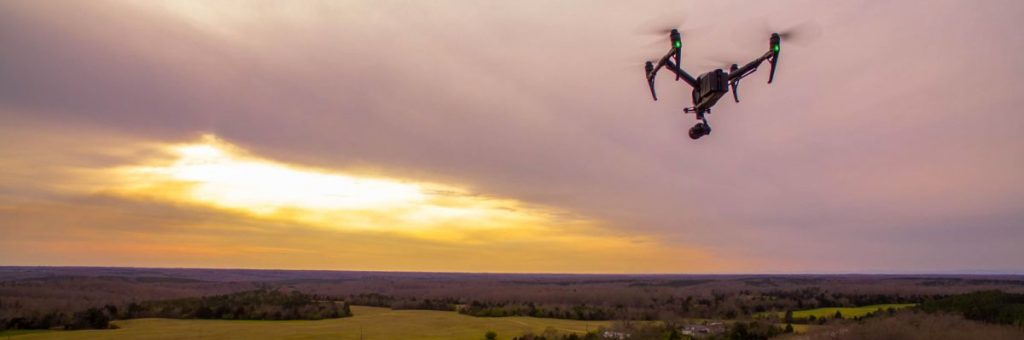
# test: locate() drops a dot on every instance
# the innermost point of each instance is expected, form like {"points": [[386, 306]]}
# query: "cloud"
{"points": [[211, 204], [891, 125]]}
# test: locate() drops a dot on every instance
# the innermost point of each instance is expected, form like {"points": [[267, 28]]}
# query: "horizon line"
{"points": [[866, 273]]}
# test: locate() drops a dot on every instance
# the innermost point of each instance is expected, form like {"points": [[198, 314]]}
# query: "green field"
{"points": [[11, 333], [373, 323], [848, 312]]}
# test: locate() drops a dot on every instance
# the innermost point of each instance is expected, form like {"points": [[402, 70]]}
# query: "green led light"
{"points": [[679, 44], [776, 48]]}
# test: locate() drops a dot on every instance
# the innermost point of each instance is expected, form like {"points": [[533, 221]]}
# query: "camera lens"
{"points": [[697, 131]]}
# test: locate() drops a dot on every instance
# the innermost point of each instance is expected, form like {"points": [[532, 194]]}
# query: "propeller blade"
{"points": [[662, 25], [716, 62], [801, 34]]}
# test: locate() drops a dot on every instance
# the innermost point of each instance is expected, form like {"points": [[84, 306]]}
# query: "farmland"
{"points": [[156, 303], [371, 322], [848, 312]]}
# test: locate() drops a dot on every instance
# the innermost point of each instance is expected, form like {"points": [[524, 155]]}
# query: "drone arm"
{"points": [[749, 68], [737, 73], [666, 62], [680, 73]]}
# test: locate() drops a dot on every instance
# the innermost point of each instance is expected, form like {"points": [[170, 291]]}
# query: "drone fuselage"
{"points": [[711, 86]]}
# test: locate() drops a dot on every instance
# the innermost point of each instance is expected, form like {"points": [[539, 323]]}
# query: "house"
{"points": [[615, 335]]}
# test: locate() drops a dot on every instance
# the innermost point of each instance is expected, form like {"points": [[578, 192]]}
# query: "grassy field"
{"points": [[797, 328], [373, 323], [11, 333], [848, 312]]}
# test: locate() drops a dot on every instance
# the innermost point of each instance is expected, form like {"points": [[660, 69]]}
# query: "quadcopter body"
{"points": [[709, 87]]}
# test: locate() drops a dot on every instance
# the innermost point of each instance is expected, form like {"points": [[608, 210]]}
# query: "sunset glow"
{"points": [[214, 173], [219, 177]]}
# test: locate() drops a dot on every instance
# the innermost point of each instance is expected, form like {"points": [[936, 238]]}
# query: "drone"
{"points": [[710, 86]]}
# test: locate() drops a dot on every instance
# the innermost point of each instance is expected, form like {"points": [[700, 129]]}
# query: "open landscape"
{"points": [[366, 323], [211, 303], [511, 169]]}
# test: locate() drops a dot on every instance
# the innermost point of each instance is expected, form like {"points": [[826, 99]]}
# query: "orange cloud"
{"points": [[209, 203]]}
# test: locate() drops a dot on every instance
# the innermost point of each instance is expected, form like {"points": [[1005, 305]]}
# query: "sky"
{"points": [[511, 136]]}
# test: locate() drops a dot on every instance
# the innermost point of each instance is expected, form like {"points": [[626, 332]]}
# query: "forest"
{"points": [[990, 306], [746, 306], [262, 304]]}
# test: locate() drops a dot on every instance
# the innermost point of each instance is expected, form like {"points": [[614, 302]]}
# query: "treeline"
{"points": [[724, 305], [814, 297], [553, 335], [92, 318], [990, 306], [575, 312], [689, 306], [262, 304], [718, 305], [497, 308], [380, 300]]}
